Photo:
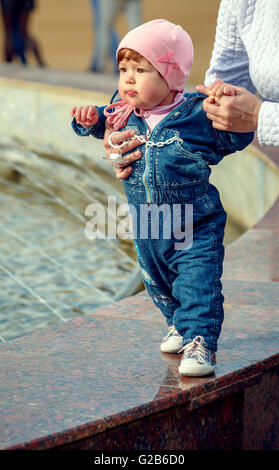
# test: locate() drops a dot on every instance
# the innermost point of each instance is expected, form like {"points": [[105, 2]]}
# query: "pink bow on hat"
{"points": [[171, 62]]}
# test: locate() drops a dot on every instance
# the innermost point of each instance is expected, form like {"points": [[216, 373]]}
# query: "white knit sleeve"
{"points": [[268, 124], [229, 59]]}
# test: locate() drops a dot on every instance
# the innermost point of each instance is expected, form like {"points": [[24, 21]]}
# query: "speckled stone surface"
{"points": [[89, 376], [101, 382]]}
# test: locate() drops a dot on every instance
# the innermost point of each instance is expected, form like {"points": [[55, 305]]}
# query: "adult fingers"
{"points": [[131, 157], [127, 149], [126, 136], [211, 107], [119, 138], [218, 122], [116, 139], [122, 173]]}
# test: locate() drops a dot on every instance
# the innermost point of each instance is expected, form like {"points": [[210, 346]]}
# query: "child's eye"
{"points": [[123, 69], [140, 70]]}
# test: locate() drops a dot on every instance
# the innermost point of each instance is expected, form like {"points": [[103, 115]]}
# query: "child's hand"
{"points": [[217, 90], [86, 116]]}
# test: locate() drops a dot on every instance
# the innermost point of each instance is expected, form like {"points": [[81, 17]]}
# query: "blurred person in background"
{"points": [[112, 39], [106, 38], [16, 15]]}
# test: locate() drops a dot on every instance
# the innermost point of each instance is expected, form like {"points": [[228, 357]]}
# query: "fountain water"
{"points": [[52, 272]]}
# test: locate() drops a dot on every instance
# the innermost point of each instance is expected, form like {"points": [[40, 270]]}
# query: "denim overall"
{"points": [[181, 254]]}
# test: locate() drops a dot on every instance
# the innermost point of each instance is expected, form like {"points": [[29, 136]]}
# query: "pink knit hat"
{"points": [[166, 46]]}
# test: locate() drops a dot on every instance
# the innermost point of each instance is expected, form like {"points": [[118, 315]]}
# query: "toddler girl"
{"points": [[183, 278]]}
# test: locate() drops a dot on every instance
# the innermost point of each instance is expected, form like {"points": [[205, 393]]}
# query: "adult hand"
{"points": [[237, 113], [124, 170]]}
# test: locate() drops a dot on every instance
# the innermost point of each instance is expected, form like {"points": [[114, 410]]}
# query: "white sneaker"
{"points": [[197, 360], [173, 342]]}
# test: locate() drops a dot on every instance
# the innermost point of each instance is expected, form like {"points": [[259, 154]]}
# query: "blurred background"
{"points": [[50, 271], [65, 30]]}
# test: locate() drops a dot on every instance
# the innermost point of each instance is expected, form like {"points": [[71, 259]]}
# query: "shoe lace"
{"points": [[172, 331], [195, 348]]}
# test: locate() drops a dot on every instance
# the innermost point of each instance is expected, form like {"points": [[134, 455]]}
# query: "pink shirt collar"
{"points": [[155, 115]]}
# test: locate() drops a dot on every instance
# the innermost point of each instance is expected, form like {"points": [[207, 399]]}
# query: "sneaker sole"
{"points": [[170, 349], [195, 373]]}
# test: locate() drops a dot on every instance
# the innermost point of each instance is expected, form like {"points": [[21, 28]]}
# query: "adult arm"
{"points": [[230, 62]]}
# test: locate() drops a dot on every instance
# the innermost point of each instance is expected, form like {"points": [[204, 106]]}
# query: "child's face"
{"points": [[141, 85]]}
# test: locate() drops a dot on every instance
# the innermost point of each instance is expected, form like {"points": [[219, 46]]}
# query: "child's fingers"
{"points": [[211, 99], [89, 115], [86, 115], [215, 88], [92, 113], [224, 90], [203, 89], [78, 114], [219, 91], [229, 91], [209, 89], [83, 114], [211, 86]]}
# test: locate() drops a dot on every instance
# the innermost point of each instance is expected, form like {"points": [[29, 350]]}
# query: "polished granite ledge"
{"points": [[101, 382], [94, 375]]}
